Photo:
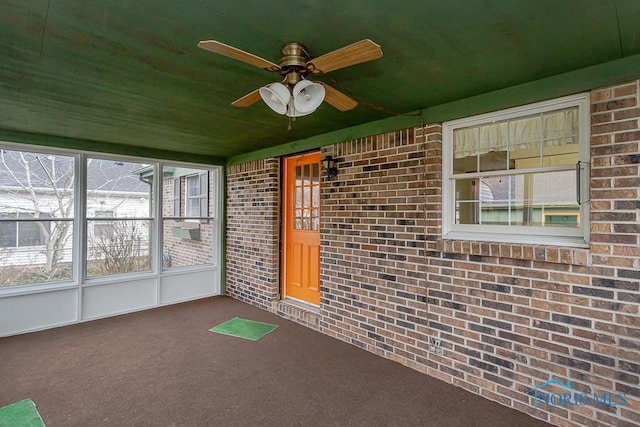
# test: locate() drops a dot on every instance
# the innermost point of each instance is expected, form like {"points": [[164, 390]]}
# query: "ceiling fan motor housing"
{"points": [[293, 64]]}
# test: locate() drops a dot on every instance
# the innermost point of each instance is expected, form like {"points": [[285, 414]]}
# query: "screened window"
{"points": [[189, 228], [36, 217], [118, 205], [116, 211], [519, 175]]}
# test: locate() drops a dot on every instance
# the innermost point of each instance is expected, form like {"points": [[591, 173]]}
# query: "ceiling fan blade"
{"points": [[235, 53], [362, 51], [248, 99], [338, 99]]}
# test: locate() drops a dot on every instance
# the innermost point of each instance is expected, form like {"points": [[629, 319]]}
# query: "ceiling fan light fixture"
{"points": [[276, 96], [294, 113], [307, 96]]}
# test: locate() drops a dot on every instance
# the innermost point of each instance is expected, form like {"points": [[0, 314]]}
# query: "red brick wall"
{"points": [[509, 316], [373, 254], [252, 232], [513, 316], [186, 252]]}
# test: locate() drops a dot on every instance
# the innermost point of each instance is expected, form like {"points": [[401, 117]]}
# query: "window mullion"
{"points": [[79, 245], [157, 224], [512, 172]]}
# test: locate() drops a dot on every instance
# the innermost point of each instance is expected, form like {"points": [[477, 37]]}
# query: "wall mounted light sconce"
{"points": [[329, 165]]}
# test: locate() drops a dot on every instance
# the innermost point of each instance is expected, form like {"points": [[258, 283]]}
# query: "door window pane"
{"points": [[307, 175], [306, 195]]}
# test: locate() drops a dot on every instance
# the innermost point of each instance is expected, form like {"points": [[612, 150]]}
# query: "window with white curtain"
{"points": [[519, 175]]}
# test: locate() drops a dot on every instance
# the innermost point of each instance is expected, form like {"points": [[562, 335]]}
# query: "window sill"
{"points": [[118, 278], [17, 290], [558, 254], [174, 271]]}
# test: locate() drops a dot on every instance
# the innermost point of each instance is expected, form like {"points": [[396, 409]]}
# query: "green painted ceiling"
{"points": [[127, 76]]}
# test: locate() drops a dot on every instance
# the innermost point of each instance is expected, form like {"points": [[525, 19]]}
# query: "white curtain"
{"points": [[549, 129]]}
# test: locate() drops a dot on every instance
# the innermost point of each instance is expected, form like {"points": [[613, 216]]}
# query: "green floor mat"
{"points": [[20, 414], [243, 328]]}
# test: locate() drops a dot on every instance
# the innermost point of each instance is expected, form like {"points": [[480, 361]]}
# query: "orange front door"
{"points": [[301, 215]]}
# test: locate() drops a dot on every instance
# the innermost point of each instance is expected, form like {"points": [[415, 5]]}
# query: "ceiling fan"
{"points": [[296, 96]]}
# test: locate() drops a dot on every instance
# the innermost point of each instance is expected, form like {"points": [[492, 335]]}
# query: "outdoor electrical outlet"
{"points": [[435, 346]]}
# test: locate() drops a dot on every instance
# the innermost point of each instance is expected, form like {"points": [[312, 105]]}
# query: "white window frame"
{"points": [[574, 237], [80, 229], [202, 197], [177, 195]]}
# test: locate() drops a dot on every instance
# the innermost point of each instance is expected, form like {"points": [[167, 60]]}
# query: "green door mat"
{"points": [[243, 328], [20, 414]]}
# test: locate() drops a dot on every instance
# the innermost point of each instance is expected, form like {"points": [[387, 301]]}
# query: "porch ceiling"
{"points": [[127, 75]]}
